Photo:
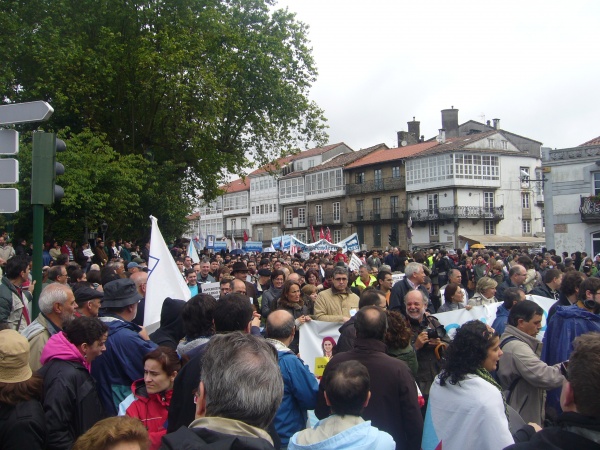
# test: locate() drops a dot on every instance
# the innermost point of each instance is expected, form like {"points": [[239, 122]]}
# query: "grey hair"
{"points": [[53, 293], [339, 270], [363, 266], [242, 380], [412, 268]]}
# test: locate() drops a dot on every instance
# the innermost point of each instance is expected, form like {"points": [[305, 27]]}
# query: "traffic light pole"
{"points": [[38, 245]]}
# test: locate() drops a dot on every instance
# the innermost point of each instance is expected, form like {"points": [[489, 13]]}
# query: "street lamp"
{"points": [[104, 227]]}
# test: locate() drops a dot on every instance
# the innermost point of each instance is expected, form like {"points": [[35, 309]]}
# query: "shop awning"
{"points": [[504, 241]]}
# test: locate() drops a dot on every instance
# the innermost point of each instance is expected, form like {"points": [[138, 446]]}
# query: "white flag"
{"points": [[164, 278], [192, 253], [355, 262]]}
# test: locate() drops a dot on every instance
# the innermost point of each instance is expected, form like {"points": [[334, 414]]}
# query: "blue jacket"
{"points": [[566, 324], [122, 362], [501, 320], [359, 437], [300, 390]]}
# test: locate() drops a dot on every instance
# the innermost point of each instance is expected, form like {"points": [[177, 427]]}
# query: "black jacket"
{"points": [[171, 325], [566, 435], [71, 402], [393, 406], [203, 438], [347, 337], [22, 426]]}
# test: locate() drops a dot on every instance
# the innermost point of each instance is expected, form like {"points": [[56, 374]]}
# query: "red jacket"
{"points": [[152, 410]]}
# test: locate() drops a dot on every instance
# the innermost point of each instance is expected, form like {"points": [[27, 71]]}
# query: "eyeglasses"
{"points": [[564, 369]]}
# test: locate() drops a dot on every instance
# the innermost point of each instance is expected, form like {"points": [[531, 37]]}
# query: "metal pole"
{"points": [[38, 245]]}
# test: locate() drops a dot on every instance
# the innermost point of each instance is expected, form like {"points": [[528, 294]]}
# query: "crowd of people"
{"points": [[225, 371]]}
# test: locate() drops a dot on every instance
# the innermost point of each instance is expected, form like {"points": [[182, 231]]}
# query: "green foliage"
{"points": [[185, 91]]}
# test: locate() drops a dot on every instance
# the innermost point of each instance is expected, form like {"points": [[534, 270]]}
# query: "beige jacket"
{"points": [[333, 306]]}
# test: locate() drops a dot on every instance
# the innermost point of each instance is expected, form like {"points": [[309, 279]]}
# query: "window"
{"points": [[262, 209], [318, 214], [433, 203], [525, 203], [359, 178], [491, 143], [394, 206], [377, 235], [301, 217], [323, 182], [442, 167], [504, 145], [434, 229], [311, 163], [336, 212], [377, 205], [259, 234], [291, 188], [596, 183], [274, 231], [489, 227], [488, 202], [301, 236], [233, 224], [337, 235], [396, 172], [360, 210], [299, 165], [289, 217], [524, 175], [526, 226], [378, 179]]}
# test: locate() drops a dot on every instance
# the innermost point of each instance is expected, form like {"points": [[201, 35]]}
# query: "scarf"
{"points": [[483, 373]]}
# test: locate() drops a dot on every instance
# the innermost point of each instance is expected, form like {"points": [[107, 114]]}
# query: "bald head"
{"points": [[238, 286], [280, 325], [140, 279]]}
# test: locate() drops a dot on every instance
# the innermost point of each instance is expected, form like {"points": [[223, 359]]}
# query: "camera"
{"points": [[432, 333]]}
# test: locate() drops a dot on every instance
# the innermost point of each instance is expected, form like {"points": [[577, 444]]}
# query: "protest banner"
{"points": [[211, 289]]}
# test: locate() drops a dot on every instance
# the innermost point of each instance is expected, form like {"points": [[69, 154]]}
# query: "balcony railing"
{"points": [[384, 184], [589, 209], [457, 212], [324, 219], [381, 215], [237, 232]]}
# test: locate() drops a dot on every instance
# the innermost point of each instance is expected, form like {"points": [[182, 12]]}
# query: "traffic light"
{"points": [[44, 169], [393, 237]]}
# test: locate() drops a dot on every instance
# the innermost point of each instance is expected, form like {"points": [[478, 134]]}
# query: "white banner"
{"points": [[311, 340], [454, 319], [312, 333], [164, 278], [213, 289], [355, 262]]}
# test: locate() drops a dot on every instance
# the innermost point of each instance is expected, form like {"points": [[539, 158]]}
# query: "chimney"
{"points": [[450, 121], [496, 124], [442, 136], [414, 128]]}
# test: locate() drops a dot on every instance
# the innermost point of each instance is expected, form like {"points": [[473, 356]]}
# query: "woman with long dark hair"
{"points": [[466, 407], [291, 301], [22, 421]]}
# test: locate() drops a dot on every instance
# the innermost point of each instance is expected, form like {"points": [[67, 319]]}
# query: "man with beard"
{"points": [[428, 335], [57, 308]]}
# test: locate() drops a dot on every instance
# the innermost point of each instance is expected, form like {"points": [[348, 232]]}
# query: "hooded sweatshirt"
{"points": [[71, 401], [152, 410], [171, 325], [59, 347]]}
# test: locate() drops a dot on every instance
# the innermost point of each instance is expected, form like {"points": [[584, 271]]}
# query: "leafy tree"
{"points": [[190, 89]]}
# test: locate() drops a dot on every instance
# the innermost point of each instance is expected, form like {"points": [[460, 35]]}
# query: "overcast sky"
{"points": [[533, 64]]}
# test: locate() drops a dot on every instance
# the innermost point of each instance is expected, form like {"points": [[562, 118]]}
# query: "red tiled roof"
{"points": [[391, 154], [238, 185], [345, 158], [595, 141], [193, 216], [305, 154]]}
